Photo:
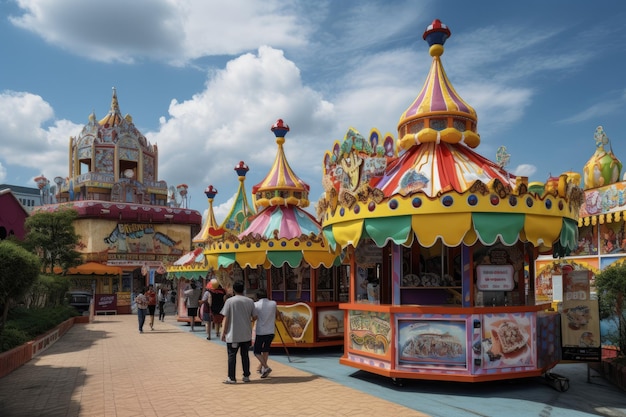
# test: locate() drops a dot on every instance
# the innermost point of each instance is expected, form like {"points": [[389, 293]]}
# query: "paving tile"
{"points": [[106, 368]]}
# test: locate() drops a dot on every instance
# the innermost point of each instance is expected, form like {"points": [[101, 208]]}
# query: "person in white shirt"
{"points": [[265, 311]]}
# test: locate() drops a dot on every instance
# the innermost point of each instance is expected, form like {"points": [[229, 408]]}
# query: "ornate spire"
{"points": [[281, 186], [438, 113], [114, 117]]}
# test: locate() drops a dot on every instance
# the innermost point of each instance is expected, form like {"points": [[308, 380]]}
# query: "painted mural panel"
{"points": [[433, 342], [370, 332], [330, 323], [612, 238]]}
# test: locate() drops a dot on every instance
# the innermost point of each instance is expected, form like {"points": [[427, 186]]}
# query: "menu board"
{"points": [[580, 328], [495, 277]]}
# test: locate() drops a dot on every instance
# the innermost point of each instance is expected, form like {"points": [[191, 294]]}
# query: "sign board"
{"points": [[495, 277], [580, 330], [106, 302]]}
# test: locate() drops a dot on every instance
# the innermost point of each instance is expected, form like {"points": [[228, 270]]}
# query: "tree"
{"points": [[53, 238], [611, 289], [19, 269]]}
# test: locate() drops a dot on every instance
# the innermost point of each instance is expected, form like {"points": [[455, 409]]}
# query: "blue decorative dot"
{"points": [[271, 244], [513, 201], [309, 243], [447, 201], [529, 202], [342, 211], [548, 204], [357, 209], [258, 244], [371, 206], [393, 204], [227, 246], [417, 202], [236, 245], [472, 200], [283, 244]]}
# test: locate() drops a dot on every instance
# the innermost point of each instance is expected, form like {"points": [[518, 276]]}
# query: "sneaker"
{"points": [[246, 379], [266, 372], [230, 381]]}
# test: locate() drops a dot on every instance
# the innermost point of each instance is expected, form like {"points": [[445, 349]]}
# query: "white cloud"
{"points": [[3, 172], [25, 139], [171, 30], [206, 136], [525, 170]]}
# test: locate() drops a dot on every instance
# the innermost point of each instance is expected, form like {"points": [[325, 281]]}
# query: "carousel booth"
{"points": [[281, 249], [192, 266], [437, 240]]}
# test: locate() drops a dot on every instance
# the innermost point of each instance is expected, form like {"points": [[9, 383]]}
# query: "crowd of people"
{"points": [[237, 320]]}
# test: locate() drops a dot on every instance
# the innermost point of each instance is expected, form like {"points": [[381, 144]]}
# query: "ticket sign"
{"points": [[495, 277]]}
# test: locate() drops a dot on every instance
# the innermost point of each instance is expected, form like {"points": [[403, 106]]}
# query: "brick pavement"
{"points": [[106, 368]]}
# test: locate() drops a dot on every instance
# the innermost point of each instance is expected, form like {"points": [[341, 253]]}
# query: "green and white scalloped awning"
{"points": [[456, 228]]}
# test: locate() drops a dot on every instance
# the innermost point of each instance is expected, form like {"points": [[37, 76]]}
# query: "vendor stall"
{"points": [[105, 284], [438, 240], [282, 251]]}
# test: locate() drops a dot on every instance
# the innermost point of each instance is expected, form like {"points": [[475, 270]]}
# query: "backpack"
{"points": [[217, 301]]}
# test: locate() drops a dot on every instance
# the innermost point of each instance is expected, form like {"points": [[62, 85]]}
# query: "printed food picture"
{"points": [[506, 340]]}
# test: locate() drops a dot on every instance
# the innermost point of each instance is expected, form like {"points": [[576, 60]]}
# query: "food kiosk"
{"points": [[282, 250], [440, 241]]}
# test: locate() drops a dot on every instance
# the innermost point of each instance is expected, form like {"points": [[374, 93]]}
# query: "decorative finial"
{"points": [[242, 169], [280, 128], [210, 192], [436, 34]]}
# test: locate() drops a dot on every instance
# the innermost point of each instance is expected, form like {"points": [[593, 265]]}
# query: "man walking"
{"points": [[238, 315], [152, 302], [265, 311], [142, 308], [193, 300]]}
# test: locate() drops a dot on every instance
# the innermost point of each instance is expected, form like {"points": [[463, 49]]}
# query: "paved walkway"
{"points": [[106, 368]]}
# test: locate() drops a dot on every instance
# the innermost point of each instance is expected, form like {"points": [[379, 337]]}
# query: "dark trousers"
{"points": [[161, 310], [243, 348], [141, 317]]}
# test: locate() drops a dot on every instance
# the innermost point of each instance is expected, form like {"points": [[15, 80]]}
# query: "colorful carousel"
{"points": [[438, 239], [282, 250]]}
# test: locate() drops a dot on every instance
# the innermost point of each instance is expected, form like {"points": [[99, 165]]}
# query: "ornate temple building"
{"points": [[130, 223]]}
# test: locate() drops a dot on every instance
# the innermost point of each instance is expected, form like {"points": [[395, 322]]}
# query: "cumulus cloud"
{"points": [[525, 170], [31, 137], [206, 136], [170, 30]]}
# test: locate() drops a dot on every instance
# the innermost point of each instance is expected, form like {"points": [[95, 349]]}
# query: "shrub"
{"points": [[26, 324]]}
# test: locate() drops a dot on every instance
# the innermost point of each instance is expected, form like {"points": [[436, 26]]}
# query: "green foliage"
{"points": [[52, 236], [26, 324], [611, 289], [18, 270], [12, 338], [49, 291]]}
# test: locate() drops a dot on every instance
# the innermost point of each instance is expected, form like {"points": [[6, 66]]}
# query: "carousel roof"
{"points": [[282, 232], [192, 265], [439, 188]]}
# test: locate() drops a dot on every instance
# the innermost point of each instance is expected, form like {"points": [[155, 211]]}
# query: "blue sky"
{"points": [[205, 80]]}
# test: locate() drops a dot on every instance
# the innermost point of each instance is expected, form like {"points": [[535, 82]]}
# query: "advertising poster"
{"points": [[330, 323], [105, 302], [294, 322], [580, 328], [434, 342], [508, 340], [370, 332]]}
